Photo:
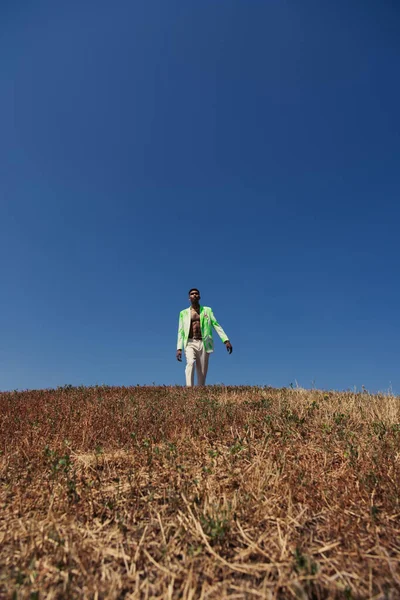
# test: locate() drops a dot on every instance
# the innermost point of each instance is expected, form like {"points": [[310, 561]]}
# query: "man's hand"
{"points": [[179, 355], [228, 346]]}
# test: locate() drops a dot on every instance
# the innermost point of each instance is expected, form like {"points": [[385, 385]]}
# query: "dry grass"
{"points": [[156, 492]]}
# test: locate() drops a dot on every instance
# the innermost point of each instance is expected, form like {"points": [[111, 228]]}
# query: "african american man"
{"points": [[195, 338]]}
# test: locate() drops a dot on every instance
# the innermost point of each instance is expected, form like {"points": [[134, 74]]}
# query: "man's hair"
{"points": [[193, 290]]}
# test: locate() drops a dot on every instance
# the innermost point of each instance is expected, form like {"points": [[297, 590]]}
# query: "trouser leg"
{"points": [[201, 364], [190, 354]]}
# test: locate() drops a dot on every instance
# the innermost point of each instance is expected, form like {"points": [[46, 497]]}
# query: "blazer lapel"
{"points": [[202, 321], [187, 323]]}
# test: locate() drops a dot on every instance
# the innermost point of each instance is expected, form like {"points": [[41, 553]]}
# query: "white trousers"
{"points": [[195, 353]]}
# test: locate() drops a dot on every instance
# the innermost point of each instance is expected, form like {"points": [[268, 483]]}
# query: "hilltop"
{"points": [[216, 492]]}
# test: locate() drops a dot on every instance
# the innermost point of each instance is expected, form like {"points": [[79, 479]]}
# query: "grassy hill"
{"points": [[217, 492]]}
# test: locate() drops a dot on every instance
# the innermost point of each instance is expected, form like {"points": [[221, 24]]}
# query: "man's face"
{"points": [[194, 297]]}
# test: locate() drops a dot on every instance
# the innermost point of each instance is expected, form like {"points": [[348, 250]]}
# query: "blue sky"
{"points": [[249, 148]]}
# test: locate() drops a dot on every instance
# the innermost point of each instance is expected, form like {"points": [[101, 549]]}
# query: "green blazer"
{"points": [[207, 322]]}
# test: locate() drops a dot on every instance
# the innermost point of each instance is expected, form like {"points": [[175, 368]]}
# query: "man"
{"points": [[195, 337]]}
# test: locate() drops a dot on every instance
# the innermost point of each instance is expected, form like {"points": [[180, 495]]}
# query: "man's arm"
{"points": [[221, 333], [180, 338]]}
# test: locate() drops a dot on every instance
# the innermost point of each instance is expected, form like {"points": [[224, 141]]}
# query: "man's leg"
{"points": [[190, 354], [201, 364]]}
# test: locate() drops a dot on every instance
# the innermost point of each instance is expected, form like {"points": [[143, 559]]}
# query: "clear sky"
{"points": [[248, 148]]}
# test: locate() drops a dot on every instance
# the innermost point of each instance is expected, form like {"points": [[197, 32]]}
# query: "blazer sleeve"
{"points": [[218, 328], [181, 331]]}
